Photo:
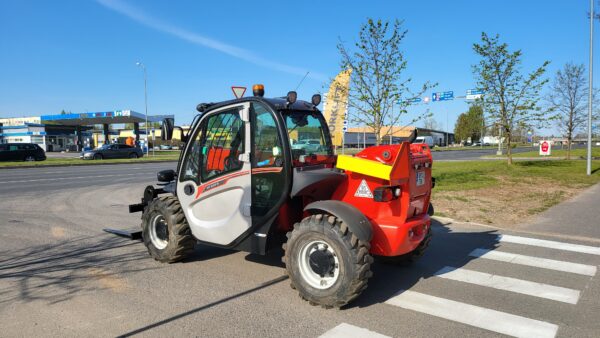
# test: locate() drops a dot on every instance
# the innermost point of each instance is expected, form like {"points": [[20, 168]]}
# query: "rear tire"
{"points": [[98, 157], [165, 230], [326, 262]]}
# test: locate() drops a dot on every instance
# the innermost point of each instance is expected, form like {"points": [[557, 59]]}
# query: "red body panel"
{"points": [[400, 224]]}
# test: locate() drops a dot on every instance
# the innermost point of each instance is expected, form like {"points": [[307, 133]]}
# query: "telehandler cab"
{"points": [[257, 172]]}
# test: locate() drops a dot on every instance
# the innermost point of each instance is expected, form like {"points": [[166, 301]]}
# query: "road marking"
{"points": [[592, 250], [77, 177], [480, 317], [551, 264], [350, 331], [535, 289]]}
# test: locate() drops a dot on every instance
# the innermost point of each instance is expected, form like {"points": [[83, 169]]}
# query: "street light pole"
{"points": [[589, 141], [139, 64]]}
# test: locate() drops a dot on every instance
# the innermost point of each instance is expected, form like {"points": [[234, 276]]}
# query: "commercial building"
{"points": [[364, 136], [72, 132]]}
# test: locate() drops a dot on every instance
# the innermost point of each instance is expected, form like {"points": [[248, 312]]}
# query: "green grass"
{"points": [[575, 153], [171, 156], [470, 175]]}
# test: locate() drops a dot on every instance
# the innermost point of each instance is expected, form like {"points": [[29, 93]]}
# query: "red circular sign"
{"points": [[545, 146]]}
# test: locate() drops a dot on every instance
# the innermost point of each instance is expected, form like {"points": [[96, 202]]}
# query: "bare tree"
{"points": [[510, 98], [378, 93], [569, 97], [431, 123]]}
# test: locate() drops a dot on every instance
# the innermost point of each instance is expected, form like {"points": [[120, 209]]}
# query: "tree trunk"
{"points": [[568, 148], [508, 149]]}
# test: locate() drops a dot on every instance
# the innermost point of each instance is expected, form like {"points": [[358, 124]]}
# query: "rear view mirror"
{"points": [[167, 129]]}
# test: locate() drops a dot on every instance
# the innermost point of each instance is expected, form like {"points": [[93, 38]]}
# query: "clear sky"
{"points": [[80, 55]]}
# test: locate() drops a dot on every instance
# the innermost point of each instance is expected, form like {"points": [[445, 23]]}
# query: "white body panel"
{"points": [[218, 210]]}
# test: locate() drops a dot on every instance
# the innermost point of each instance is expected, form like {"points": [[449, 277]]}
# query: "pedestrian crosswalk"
{"points": [[503, 322]]}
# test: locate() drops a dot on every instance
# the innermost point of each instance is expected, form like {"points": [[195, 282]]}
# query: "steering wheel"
{"points": [[230, 162]]}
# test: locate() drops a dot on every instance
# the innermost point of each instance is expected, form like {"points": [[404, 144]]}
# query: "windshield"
{"points": [[307, 134]]}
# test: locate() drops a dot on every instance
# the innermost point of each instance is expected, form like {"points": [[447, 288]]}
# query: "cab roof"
{"points": [[278, 103]]}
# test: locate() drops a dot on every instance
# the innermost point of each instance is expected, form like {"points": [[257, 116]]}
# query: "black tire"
{"points": [[29, 158], [133, 155], [352, 254], [413, 256], [98, 157], [178, 237]]}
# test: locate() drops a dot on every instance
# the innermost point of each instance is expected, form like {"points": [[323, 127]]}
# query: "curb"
{"points": [[82, 164]]}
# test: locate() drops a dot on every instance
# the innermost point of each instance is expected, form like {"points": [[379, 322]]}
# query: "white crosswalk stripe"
{"points": [[592, 250], [488, 319], [551, 264], [345, 330], [497, 321], [510, 284]]}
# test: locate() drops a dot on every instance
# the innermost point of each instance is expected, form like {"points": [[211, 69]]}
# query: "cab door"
{"points": [[214, 178]]}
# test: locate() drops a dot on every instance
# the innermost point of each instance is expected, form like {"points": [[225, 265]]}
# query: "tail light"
{"points": [[386, 193]]}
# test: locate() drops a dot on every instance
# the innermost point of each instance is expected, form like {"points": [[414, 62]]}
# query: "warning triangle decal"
{"points": [[363, 190]]}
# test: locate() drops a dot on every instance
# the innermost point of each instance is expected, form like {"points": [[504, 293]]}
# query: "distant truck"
{"points": [[428, 140]]}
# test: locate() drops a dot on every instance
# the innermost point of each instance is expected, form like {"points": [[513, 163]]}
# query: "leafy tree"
{"points": [[469, 124], [64, 112], [510, 98], [378, 93], [569, 97]]}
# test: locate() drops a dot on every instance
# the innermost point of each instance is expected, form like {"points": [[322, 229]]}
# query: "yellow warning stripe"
{"points": [[364, 166]]}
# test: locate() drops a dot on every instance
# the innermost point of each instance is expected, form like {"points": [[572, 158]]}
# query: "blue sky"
{"points": [[79, 55]]}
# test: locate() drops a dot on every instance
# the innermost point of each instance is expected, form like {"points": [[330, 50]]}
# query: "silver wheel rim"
{"points": [[29, 159], [308, 274], [155, 238]]}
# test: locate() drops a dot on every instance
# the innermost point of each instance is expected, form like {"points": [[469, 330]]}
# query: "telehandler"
{"points": [[256, 173]]}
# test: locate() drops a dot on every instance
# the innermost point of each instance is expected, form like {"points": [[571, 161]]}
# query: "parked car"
{"points": [[165, 147], [108, 151], [476, 144], [21, 152], [309, 146]]}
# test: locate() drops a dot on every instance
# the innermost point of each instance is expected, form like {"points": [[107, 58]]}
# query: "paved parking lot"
{"points": [[60, 275]]}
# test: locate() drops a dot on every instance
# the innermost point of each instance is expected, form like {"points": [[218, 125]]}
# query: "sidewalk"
{"points": [[579, 216]]}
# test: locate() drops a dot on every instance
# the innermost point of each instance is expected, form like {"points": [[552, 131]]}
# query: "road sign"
{"points": [[474, 94], [413, 100], [545, 148], [238, 91], [442, 96]]}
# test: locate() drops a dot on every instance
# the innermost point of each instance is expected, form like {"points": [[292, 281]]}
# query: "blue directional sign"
{"points": [[474, 91], [442, 96]]}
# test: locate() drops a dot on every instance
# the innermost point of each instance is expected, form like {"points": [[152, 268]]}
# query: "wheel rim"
{"points": [[133, 156], [159, 232], [319, 264], [29, 159]]}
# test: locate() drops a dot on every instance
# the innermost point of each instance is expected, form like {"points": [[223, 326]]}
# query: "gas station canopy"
{"points": [[109, 117]]}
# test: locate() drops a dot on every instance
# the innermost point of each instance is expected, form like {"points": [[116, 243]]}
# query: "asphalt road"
{"points": [[60, 275]]}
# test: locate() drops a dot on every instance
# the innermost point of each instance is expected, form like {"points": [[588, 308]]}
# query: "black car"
{"points": [[112, 151], [21, 152]]}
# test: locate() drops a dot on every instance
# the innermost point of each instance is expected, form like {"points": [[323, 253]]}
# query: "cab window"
{"points": [[267, 162], [221, 145]]}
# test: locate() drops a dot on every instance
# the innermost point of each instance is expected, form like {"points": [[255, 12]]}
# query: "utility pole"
{"points": [[139, 64], [589, 141]]}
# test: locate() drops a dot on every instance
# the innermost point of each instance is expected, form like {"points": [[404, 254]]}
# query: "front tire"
{"points": [[165, 230], [29, 158], [133, 155], [98, 157], [326, 262]]}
